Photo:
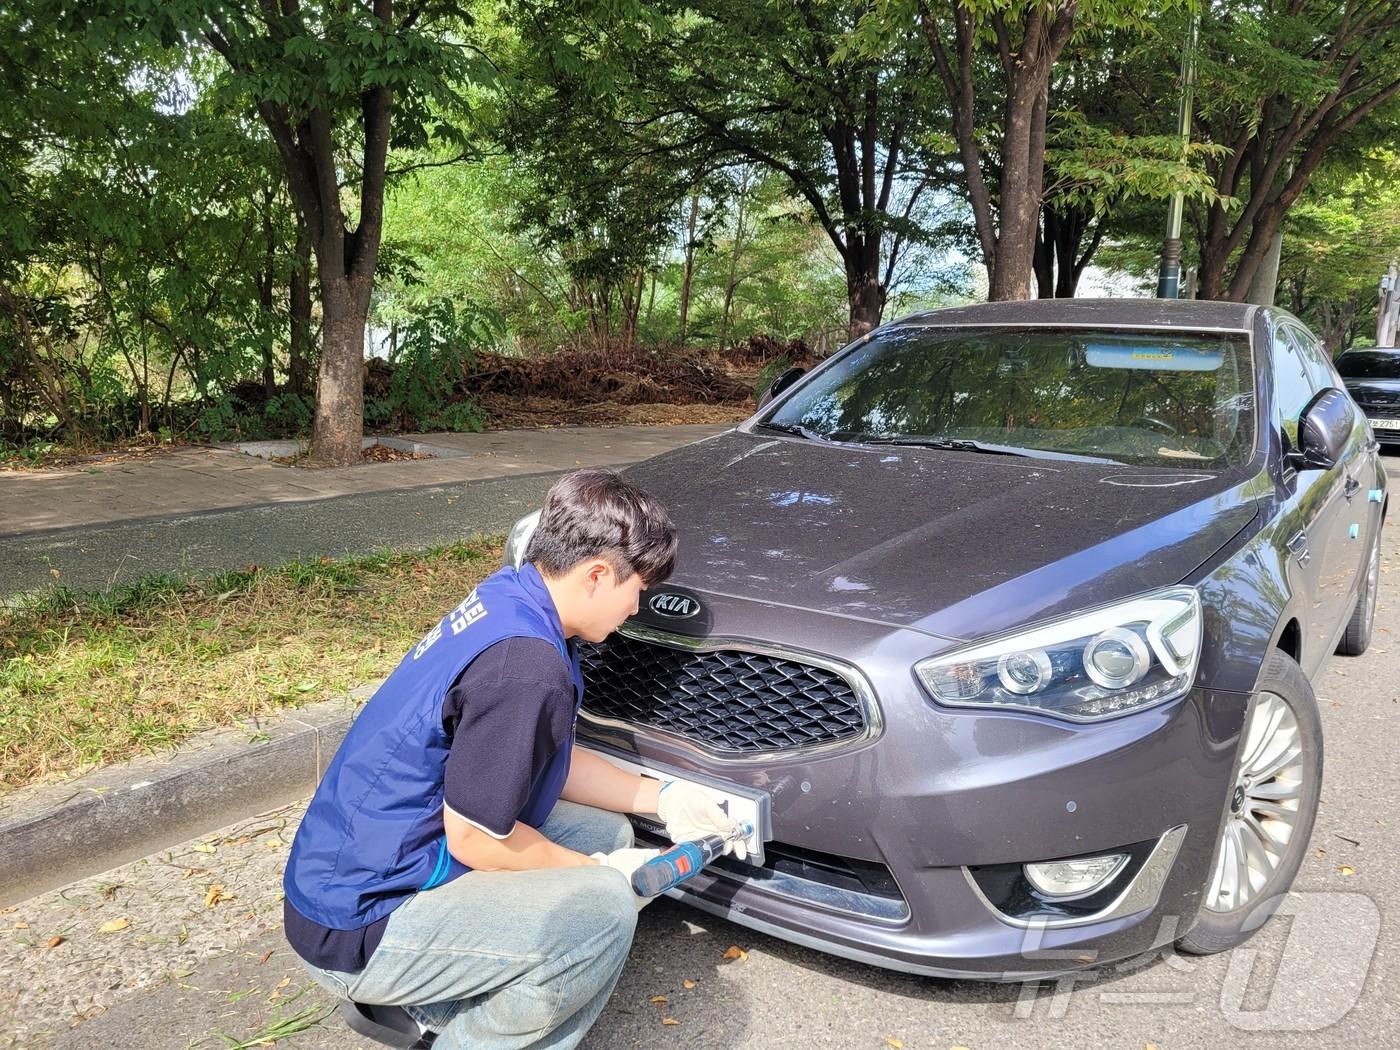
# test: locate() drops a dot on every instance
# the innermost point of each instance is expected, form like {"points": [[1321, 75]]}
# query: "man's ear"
{"points": [[597, 572]]}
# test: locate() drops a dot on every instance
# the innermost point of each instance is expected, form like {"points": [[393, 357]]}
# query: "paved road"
{"points": [[93, 557], [183, 972]]}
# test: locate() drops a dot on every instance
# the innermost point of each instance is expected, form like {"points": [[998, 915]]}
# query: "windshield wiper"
{"points": [[795, 429], [948, 444]]}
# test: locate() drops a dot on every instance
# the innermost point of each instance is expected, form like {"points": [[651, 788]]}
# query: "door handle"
{"points": [[1298, 545], [1351, 488]]}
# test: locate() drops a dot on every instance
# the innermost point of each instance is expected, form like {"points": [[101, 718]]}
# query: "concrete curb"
{"points": [[53, 834]]}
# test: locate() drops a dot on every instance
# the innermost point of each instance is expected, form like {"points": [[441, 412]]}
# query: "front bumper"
{"points": [[940, 792]]}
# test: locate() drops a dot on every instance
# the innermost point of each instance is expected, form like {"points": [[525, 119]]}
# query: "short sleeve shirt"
{"points": [[510, 712]]}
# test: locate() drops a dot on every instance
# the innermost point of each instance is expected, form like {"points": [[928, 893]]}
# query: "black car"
{"points": [[1372, 377]]}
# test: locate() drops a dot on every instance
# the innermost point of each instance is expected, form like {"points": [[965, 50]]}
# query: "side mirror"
{"points": [[792, 375], [1323, 431]]}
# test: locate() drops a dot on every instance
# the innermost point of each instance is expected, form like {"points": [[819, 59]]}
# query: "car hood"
{"points": [[956, 544], [1375, 393]]}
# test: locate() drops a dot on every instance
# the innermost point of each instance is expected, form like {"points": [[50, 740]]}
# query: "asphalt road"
{"points": [[1322, 974], [94, 557]]}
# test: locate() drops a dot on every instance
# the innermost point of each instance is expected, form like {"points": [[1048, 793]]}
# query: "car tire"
{"points": [[1357, 636], [1283, 698]]}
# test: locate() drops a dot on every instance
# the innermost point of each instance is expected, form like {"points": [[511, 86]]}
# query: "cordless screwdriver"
{"points": [[682, 861]]}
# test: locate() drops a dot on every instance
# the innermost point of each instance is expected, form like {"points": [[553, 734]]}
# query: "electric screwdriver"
{"points": [[681, 861]]}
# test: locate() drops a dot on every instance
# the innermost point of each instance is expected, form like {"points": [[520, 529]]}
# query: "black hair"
{"points": [[596, 512]]}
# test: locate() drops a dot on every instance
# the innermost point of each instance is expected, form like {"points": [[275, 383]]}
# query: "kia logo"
{"points": [[677, 606]]}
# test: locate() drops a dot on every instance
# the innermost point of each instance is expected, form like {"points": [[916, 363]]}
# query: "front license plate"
{"points": [[1385, 424], [746, 805]]}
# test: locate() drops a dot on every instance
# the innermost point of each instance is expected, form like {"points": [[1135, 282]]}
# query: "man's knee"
{"points": [[605, 911], [625, 839]]}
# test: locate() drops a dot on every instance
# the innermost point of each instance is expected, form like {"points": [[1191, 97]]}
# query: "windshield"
{"points": [[1370, 364], [1154, 399]]}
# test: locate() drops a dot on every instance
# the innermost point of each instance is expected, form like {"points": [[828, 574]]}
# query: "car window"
{"points": [[1293, 386], [1316, 360], [1370, 364], [1175, 399]]}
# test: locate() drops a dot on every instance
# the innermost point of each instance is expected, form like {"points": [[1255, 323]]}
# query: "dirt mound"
{"points": [[624, 376], [760, 350]]}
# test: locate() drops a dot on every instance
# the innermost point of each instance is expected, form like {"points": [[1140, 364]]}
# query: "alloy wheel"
{"points": [[1264, 805]]}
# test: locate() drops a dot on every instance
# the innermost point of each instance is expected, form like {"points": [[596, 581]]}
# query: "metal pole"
{"points": [[1169, 277], [1388, 309]]}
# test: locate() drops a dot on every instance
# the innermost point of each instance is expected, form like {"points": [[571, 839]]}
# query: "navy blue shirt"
{"points": [[508, 714]]}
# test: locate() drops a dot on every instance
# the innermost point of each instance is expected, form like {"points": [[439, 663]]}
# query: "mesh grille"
{"points": [[726, 700]]}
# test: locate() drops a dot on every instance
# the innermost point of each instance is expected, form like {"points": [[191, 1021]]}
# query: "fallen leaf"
{"points": [[735, 952], [266, 956], [192, 872], [895, 1044], [687, 983], [658, 998], [215, 894], [1347, 869], [274, 844], [21, 925], [113, 926], [282, 984], [202, 847], [669, 1020], [54, 942]]}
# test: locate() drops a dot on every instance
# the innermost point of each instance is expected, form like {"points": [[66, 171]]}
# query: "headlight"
{"points": [[1098, 664], [519, 539]]}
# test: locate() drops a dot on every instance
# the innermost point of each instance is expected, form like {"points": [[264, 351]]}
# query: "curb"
{"points": [[54, 834]]}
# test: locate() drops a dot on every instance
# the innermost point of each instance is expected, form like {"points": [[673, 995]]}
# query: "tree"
{"points": [[709, 84], [1338, 239], [1283, 86], [326, 79]]}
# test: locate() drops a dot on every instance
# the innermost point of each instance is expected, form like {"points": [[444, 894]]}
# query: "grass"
{"points": [[93, 678]]}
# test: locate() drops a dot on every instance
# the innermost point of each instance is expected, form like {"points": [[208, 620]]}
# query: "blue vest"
{"points": [[373, 833]]}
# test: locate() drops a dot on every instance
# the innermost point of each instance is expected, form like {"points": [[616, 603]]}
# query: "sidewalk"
{"points": [[195, 480]]}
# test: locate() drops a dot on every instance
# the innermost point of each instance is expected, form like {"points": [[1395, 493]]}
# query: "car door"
{"points": [[1360, 518], [1309, 503]]}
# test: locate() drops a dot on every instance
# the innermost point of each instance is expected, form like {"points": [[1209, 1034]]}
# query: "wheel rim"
{"points": [[1373, 576], [1264, 805]]}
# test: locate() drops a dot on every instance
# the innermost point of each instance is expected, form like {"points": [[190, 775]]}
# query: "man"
{"points": [[461, 858]]}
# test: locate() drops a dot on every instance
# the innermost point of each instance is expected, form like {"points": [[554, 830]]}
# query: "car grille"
{"points": [[725, 700]]}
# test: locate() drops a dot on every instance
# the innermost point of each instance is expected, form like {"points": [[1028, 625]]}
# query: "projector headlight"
{"points": [[519, 539], [1098, 664]]}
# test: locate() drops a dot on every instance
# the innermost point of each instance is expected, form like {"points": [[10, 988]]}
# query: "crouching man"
{"points": [[461, 858]]}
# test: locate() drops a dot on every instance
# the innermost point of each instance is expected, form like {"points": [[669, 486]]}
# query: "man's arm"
{"points": [[594, 781], [524, 849]]}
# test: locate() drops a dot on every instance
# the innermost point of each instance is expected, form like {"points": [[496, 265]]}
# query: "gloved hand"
{"points": [[627, 861], [690, 814]]}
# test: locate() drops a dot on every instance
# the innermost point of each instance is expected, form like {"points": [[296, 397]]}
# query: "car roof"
{"points": [[1187, 314]]}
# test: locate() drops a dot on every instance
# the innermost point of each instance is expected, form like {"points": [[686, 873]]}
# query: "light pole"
{"points": [[1169, 277]]}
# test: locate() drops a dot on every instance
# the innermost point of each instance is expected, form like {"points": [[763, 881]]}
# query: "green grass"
{"points": [[92, 678]]}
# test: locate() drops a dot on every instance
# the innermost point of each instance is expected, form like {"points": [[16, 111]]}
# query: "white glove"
{"points": [[690, 814], [627, 861]]}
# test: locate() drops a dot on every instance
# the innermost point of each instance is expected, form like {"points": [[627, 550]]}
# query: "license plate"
{"points": [[1385, 424], [745, 805]]}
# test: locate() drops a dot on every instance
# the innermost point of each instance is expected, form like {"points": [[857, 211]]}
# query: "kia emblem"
{"points": [[676, 606]]}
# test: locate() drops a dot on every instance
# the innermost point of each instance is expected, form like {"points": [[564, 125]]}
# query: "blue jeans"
{"points": [[506, 959]]}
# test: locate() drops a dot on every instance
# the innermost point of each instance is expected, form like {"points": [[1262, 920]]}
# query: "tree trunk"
{"points": [[299, 307], [735, 250], [339, 425], [689, 262], [266, 283], [866, 298]]}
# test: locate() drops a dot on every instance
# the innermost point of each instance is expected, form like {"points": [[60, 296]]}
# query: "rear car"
{"points": [[1372, 377], [1000, 625]]}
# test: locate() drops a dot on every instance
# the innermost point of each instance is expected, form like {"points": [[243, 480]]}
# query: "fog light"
{"points": [[1074, 878], [1024, 673], [1116, 658]]}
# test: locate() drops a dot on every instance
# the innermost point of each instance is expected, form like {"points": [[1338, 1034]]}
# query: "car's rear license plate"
{"points": [[1385, 424], [743, 804]]}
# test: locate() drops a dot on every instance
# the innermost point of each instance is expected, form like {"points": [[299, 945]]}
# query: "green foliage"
{"points": [[430, 364]]}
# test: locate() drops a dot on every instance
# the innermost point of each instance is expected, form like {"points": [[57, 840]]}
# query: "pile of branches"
{"points": [[759, 351], [621, 375]]}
